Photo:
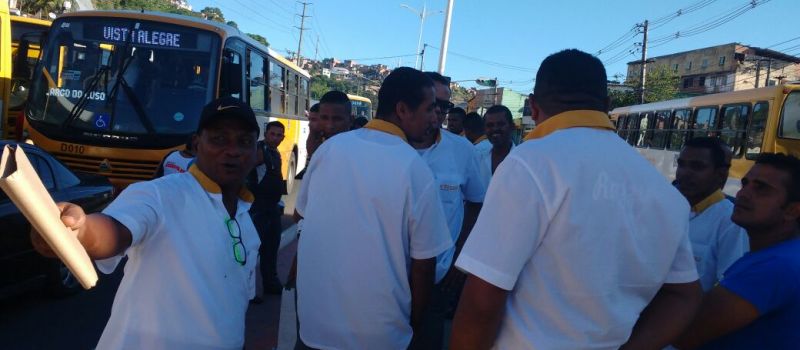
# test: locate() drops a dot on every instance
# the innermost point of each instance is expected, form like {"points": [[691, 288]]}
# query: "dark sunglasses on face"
{"points": [[444, 106]]}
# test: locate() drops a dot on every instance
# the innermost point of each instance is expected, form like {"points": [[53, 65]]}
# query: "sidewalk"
{"points": [[261, 330]]}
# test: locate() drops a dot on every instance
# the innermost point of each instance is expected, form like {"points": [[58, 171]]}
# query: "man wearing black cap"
{"points": [[191, 246], [580, 242]]}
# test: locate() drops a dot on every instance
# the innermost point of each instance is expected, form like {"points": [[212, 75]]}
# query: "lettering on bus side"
{"points": [[70, 148]]}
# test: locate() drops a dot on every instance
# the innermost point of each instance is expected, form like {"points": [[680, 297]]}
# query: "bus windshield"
{"points": [[361, 109], [105, 79]]}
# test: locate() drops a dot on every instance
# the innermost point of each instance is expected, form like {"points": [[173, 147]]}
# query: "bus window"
{"points": [[293, 89], [622, 124], [705, 120], [255, 81], [231, 82], [755, 132], [633, 128], [790, 117], [645, 134], [660, 131], [734, 123], [679, 126], [303, 94], [276, 73]]}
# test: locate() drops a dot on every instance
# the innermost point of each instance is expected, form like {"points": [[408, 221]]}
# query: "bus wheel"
{"points": [[291, 172]]}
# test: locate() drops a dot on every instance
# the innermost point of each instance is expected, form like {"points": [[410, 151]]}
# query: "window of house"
{"points": [[701, 81], [721, 60], [689, 65], [687, 83], [705, 63], [675, 68]]}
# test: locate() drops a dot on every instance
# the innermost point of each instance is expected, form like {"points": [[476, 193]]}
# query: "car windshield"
{"points": [[124, 77]]}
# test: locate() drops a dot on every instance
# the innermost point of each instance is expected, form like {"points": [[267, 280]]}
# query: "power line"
{"points": [[379, 58], [487, 62]]}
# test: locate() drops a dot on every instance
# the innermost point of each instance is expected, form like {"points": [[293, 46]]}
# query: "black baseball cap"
{"points": [[228, 108]]}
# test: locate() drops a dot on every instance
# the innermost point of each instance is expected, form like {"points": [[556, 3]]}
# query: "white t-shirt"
{"points": [[583, 231], [716, 242], [175, 163], [370, 205], [182, 288], [455, 168]]}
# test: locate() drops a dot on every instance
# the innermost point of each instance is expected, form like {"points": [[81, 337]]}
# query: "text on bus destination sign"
{"points": [[142, 36]]}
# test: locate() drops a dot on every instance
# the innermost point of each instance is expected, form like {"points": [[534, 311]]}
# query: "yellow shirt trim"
{"points": [[480, 139], [211, 187], [384, 126], [571, 119], [714, 198]]}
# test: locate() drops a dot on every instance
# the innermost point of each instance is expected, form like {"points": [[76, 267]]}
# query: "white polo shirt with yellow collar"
{"points": [[716, 241], [183, 287], [370, 205], [457, 171], [582, 231]]}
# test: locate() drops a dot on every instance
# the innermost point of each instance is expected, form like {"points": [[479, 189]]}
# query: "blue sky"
{"points": [[506, 38]]}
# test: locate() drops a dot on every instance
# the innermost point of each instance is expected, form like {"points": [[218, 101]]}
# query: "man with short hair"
{"points": [[716, 241], [580, 242], [315, 131], [474, 129], [268, 186], [191, 246], [364, 283], [335, 113], [177, 161], [455, 120], [756, 305], [461, 189], [499, 124], [441, 85]]}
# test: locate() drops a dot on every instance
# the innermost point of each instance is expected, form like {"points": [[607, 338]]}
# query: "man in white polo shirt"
{"points": [[461, 186], [191, 246], [373, 227], [581, 243], [716, 241], [498, 123]]}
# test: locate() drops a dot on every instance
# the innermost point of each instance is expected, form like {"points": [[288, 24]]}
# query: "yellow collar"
{"points": [[714, 198], [384, 126], [480, 139], [571, 119], [211, 187]]}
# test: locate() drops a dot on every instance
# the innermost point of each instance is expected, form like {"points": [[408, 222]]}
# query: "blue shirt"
{"points": [[770, 280]]}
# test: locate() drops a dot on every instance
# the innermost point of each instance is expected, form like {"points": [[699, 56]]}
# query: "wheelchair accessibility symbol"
{"points": [[101, 121]]}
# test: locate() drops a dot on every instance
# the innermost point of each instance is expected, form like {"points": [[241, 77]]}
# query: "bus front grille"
{"points": [[134, 170]]}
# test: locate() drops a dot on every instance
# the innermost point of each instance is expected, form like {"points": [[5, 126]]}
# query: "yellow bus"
{"points": [[118, 90], [5, 62], [749, 121], [27, 35], [362, 106]]}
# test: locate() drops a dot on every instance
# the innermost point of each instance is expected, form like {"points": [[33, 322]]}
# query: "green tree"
{"points": [[45, 6], [213, 14], [259, 38], [661, 84], [232, 24]]}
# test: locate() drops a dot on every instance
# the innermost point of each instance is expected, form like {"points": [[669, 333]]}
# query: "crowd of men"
{"points": [[568, 240]]}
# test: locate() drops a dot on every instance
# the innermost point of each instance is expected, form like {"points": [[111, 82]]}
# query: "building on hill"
{"points": [[723, 68]]}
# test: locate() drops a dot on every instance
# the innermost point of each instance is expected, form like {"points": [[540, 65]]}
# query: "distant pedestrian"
{"points": [[499, 124], [190, 243], [580, 242], [177, 161], [716, 241], [268, 186], [373, 227], [455, 120], [335, 115], [756, 305], [474, 129]]}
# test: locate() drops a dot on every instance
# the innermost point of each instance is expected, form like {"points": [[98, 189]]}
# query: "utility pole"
{"points": [[316, 49], [758, 72], [302, 28], [422, 57], [422, 16], [769, 67], [643, 72], [445, 36]]}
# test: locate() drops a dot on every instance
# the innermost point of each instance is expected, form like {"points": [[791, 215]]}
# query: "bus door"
{"points": [[788, 140]]}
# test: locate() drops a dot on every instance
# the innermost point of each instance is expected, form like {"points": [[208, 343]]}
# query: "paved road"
{"points": [[34, 321]]}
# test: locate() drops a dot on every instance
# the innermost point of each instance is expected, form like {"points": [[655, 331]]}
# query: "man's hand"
{"points": [[72, 216]]}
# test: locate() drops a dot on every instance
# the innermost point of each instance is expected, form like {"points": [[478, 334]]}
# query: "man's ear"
{"points": [[792, 211], [401, 110]]}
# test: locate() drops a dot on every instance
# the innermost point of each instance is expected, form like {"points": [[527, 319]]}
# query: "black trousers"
{"points": [[267, 220]]}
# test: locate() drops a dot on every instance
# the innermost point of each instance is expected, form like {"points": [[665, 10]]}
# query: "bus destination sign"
{"points": [[142, 36]]}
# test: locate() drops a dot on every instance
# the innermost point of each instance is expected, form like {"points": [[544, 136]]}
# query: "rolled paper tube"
{"points": [[20, 182]]}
